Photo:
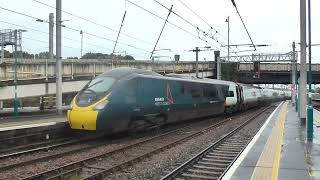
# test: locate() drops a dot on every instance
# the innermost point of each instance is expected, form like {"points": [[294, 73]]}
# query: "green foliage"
{"points": [[1, 85], [229, 71], [72, 57], [7, 54], [26, 55], [45, 55], [105, 56]]}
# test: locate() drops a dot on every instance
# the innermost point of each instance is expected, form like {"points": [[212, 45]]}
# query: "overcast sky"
{"points": [[272, 22]]}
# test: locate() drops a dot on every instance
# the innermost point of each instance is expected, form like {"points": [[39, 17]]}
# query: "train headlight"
{"points": [[101, 105]]}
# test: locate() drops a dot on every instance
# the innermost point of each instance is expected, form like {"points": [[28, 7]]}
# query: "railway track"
{"points": [[96, 167], [23, 139], [214, 161], [87, 145]]}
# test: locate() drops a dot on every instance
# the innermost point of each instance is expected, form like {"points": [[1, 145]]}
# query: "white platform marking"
{"points": [[27, 126]]}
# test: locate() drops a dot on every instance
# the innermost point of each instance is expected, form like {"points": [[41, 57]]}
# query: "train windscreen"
{"points": [[94, 91]]}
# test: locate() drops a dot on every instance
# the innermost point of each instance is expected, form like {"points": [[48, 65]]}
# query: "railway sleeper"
{"points": [[222, 154], [209, 168], [217, 160], [221, 157], [231, 149], [201, 172], [233, 145], [193, 176], [224, 151], [239, 141], [214, 164]]}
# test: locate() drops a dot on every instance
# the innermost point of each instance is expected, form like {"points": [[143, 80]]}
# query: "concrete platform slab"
{"points": [[31, 122], [298, 159]]}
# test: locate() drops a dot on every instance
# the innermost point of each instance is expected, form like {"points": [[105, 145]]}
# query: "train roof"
{"points": [[182, 76], [124, 71], [217, 81]]}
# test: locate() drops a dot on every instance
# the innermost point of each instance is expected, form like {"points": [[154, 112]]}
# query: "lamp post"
{"points": [[16, 44], [310, 108], [228, 21], [81, 33], [16, 100]]}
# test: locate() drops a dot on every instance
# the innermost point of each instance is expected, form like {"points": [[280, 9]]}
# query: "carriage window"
{"points": [[213, 93], [131, 92], [196, 91]]}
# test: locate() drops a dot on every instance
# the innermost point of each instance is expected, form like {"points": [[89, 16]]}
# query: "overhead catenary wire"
{"points": [[47, 42], [154, 48], [95, 23], [43, 32], [195, 26], [77, 30], [159, 17], [235, 6], [206, 22], [115, 44]]}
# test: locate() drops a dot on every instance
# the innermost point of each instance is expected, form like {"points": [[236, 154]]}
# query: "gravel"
{"points": [[152, 168], [162, 163]]}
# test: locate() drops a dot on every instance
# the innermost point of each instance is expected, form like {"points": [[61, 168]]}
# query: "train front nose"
{"points": [[83, 118]]}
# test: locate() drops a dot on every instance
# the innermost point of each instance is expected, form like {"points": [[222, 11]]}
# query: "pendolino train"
{"points": [[127, 98]]}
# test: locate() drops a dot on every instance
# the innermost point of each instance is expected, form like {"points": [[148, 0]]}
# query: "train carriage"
{"points": [[127, 98], [132, 99]]}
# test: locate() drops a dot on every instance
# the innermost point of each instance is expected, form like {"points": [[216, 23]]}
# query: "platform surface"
{"points": [[23, 122], [280, 150]]}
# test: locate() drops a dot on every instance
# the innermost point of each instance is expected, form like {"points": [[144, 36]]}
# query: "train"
{"points": [[125, 99]]}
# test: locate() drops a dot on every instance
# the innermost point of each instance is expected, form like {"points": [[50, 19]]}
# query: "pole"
{"points": [[58, 58], [303, 69], [2, 52], [218, 67], [310, 108], [197, 67], [115, 44], [81, 32], [154, 48], [228, 39], [51, 26], [297, 86], [16, 101], [2, 47], [293, 74]]}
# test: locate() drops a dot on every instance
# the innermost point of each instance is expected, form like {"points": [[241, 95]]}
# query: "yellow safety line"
{"points": [[267, 166], [276, 162]]}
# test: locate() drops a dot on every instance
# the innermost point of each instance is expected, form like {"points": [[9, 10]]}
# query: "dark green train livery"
{"points": [[127, 98]]}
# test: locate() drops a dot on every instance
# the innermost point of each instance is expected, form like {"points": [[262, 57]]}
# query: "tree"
{"points": [[129, 57], [91, 55], [72, 57], [7, 54], [229, 71]]}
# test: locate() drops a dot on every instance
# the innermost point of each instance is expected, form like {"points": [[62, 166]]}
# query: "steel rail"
{"points": [[177, 172], [77, 165]]}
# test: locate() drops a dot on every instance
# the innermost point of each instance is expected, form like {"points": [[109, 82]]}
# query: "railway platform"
{"points": [[27, 122], [27, 111], [43, 121], [280, 150]]}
